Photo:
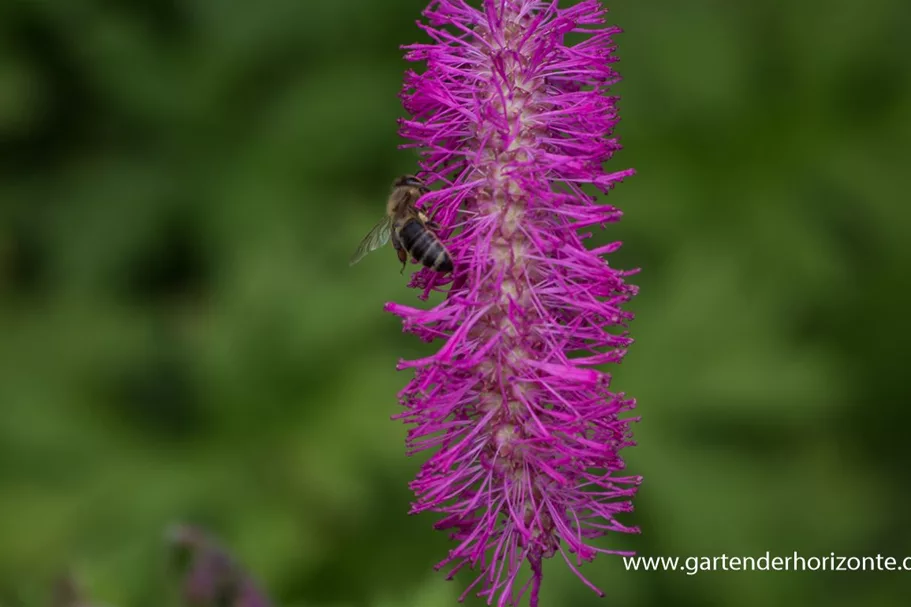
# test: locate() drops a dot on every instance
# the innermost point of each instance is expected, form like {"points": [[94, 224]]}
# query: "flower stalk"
{"points": [[524, 430]]}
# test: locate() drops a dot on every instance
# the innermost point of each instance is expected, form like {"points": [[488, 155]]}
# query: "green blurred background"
{"points": [[181, 339]]}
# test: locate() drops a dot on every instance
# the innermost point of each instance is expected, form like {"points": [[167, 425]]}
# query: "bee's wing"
{"points": [[376, 238]]}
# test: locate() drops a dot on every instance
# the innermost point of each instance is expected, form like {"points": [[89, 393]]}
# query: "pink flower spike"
{"points": [[523, 432]]}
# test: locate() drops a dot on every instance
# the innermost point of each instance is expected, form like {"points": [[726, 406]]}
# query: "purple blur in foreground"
{"points": [[511, 122], [211, 578]]}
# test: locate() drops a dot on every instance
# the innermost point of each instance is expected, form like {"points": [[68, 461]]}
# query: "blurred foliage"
{"points": [[181, 184]]}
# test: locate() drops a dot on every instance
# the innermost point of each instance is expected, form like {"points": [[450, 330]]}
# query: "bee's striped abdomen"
{"points": [[424, 246]]}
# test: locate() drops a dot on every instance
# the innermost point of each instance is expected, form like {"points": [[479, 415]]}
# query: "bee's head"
{"points": [[412, 182]]}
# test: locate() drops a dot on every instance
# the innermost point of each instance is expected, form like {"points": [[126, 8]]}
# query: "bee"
{"points": [[411, 232]]}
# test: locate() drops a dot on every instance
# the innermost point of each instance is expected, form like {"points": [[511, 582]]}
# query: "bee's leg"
{"points": [[432, 224], [399, 250], [427, 222]]}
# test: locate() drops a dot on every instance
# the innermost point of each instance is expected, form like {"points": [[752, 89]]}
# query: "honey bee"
{"points": [[411, 232]]}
